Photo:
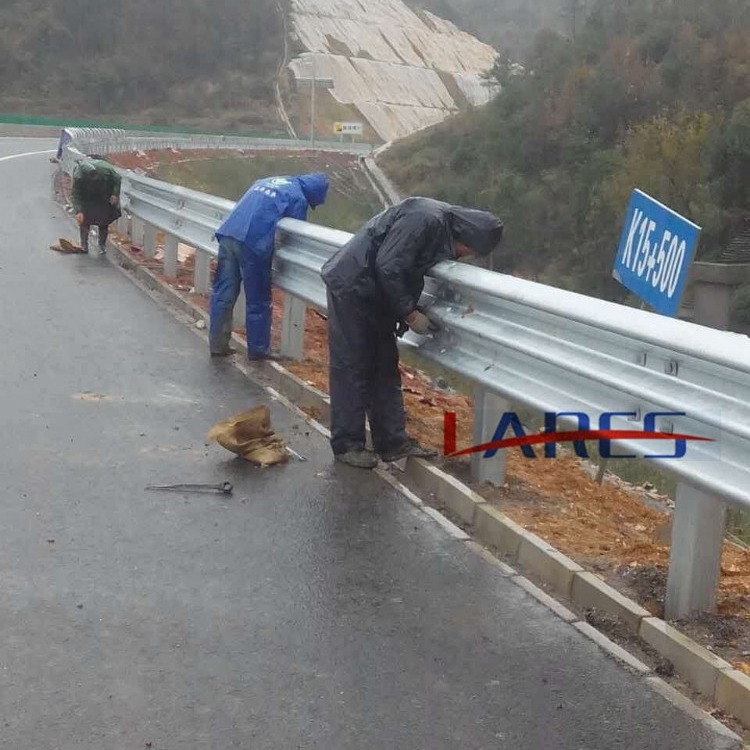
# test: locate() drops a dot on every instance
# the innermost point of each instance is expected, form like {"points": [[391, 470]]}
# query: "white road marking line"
{"points": [[28, 153]]}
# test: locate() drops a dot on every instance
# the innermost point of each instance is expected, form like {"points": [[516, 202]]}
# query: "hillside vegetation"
{"points": [[149, 61], [508, 25], [650, 94]]}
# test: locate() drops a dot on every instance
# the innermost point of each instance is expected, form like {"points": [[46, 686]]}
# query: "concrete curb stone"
{"points": [[496, 529], [696, 664], [542, 596], [505, 570], [552, 566], [733, 694], [589, 591], [612, 648]]}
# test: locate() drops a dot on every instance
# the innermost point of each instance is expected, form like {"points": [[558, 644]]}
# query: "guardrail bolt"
{"points": [[671, 368]]}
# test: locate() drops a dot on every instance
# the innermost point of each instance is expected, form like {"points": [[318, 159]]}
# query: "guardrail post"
{"points": [[137, 229], [488, 408], [123, 224], [202, 281], [149, 241], [293, 327], [695, 560], [170, 256]]}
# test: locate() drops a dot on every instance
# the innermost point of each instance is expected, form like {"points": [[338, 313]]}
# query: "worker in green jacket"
{"points": [[96, 199]]}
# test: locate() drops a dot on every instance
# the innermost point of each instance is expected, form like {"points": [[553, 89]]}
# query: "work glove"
{"points": [[79, 218], [420, 323], [114, 200]]}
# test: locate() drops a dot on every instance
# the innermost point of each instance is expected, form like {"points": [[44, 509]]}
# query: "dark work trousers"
{"points": [[364, 379], [103, 234], [101, 214]]}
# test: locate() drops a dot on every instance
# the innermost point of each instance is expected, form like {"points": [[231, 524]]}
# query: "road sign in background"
{"points": [[655, 252], [348, 128]]}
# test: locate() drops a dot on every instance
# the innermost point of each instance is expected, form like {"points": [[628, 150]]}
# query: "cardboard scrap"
{"points": [[66, 246], [250, 436]]}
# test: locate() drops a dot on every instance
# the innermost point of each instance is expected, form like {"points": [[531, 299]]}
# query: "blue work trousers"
{"points": [[238, 264]]}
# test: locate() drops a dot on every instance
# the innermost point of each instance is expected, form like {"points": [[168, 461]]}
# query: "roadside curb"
{"points": [[711, 676]]}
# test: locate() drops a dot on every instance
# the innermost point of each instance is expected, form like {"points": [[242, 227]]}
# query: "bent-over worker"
{"points": [[374, 283], [96, 199]]}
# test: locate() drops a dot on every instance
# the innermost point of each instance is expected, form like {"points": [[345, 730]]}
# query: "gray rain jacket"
{"points": [[385, 262]]}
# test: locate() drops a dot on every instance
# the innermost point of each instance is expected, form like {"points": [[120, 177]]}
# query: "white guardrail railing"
{"points": [[110, 141], [523, 342]]}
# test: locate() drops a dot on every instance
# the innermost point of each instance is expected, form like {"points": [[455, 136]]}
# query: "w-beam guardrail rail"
{"points": [[109, 141], [521, 342]]}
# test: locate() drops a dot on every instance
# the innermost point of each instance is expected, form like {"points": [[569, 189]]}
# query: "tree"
{"points": [[731, 161], [93, 58], [650, 94], [573, 12]]}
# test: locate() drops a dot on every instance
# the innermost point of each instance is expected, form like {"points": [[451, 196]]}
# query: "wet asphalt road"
{"points": [[314, 608]]}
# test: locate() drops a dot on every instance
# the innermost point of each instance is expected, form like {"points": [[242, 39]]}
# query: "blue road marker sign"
{"points": [[655, 252]]}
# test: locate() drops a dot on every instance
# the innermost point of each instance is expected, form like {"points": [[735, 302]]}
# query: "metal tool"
{"points": [[225, 488], [294, 453]]}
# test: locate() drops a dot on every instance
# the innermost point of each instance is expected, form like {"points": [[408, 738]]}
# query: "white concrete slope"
{"points": [[403, 70]]}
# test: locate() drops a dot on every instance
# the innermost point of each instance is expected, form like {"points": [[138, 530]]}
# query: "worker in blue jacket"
{"points": [[246, 244]]}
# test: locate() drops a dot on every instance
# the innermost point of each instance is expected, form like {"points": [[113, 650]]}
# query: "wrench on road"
{"points": [[225, 488]]}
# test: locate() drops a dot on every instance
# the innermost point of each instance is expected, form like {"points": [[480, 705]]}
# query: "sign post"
{"points": [[653, 259], [655, 252], [315, 82], [348, 128]]}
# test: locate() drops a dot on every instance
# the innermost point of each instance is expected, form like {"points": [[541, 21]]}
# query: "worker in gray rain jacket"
{"points": [[246, 244], [95, 197], [374, 283]]}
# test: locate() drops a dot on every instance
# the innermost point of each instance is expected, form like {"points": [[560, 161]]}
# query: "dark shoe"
{"points": [[224, 352], [359, 459], [102, 250], [273, 355], [410, 448]]}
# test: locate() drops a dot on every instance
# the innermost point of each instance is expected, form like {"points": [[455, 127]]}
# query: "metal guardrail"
{"points": [[109, 141], [547, 348]]}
